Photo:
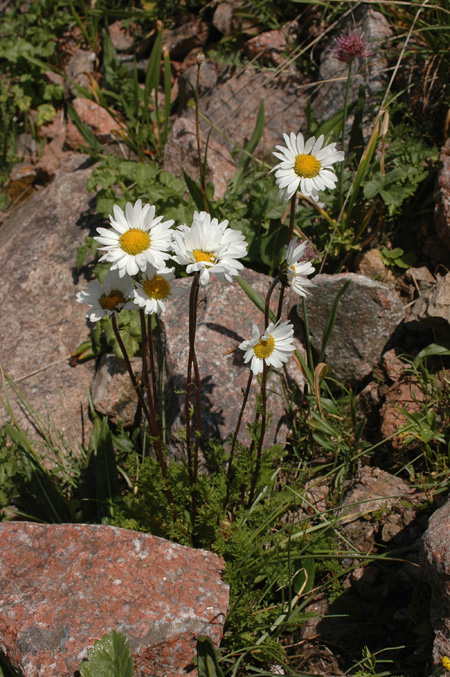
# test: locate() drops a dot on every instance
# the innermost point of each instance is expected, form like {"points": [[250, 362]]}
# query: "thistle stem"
{"points": [[344, 120]]}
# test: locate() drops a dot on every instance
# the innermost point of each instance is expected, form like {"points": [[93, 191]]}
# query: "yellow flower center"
{"points": [[200, 255], [157, 288], [134, 241], [263, 348], [445, 660], [306, 166], [112, 300]]}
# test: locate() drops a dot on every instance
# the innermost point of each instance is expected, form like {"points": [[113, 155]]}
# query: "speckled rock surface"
{"points": [[442, 197], [436, 563], [112, 392], [368, 313], [64, 586], [433, 308], [42, 323], [225, 318], [182, 142], [370, 72], [232, 109]]}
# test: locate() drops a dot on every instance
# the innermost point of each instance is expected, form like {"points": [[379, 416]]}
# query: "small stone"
{"points": [[21, 179], [393, 365], [113, 394], [371, 264], [420, 277], [180, 40], [227, 20], [433, 308], [78, 71], [121, 38], [47, 166], [405, 395], [98, 119], [267, 47]]}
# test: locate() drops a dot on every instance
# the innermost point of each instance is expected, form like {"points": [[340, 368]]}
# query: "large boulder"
{"points": [[42, 323], [370, 72], [233, 112], [367, 315], [63, 586], [442, 197], [436, 563], [225, 318]]}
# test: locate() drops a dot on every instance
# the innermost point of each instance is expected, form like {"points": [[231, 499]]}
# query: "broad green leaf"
{"points": [[430, 351], [207, 658], [105, 471], [109, 657]]}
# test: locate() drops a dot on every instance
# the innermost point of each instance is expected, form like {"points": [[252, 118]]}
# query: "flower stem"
{"points": [[344, 121], [148, 415], [261, 436], [236, 432], [192, 363], [197, 134], [290, 234]]}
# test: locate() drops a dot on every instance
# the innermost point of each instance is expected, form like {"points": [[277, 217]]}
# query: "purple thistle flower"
{"points": [[350, 45]]}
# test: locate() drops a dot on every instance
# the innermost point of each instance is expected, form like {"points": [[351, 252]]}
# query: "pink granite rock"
{"points": [[436, 563], [367, 315], [182, 147], [225, 317], [233, 111], [97, 118], [442, 197], [62, 587], [41, 322]]}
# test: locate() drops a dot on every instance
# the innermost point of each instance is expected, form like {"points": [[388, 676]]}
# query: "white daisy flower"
{"points": [[136, 239], [294, 270], [107, 298], [306, 165], [154, 289], [209, 247], [274, 347]]}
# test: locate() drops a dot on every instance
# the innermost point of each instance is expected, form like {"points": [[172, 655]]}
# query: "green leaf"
{"points": [[431, 350], [195, 191], [332, 319], [84, 130], [356, 143], [153, 70], [248, 149], [105, 471], [110, 657], [272, 246], [43, 499], [207, 658]]}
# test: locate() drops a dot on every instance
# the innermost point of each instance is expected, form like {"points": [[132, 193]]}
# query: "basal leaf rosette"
{"points": [[108, 298], [306, 165], [135, 239], [209, 247], [273, 348], [155, 289]]}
